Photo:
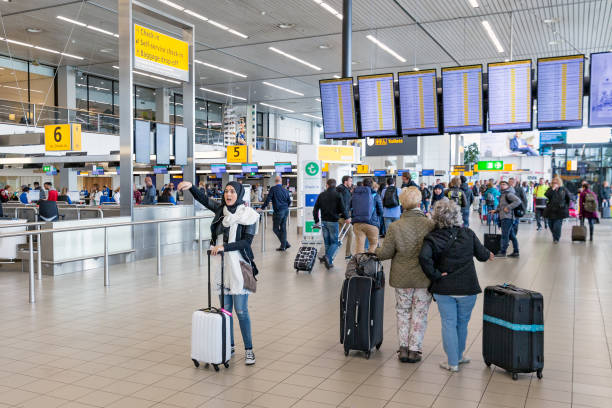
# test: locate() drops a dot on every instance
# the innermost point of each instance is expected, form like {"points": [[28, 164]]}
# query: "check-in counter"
{"points": [[26, 212], [176, 237], [8, 246], [70, 251]]}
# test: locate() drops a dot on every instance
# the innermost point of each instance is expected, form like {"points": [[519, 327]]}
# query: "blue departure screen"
{"points": [[462, 99], [600, 106], [377, 105], [418, 102], [510, 96], [560, 90], [338, 108]]}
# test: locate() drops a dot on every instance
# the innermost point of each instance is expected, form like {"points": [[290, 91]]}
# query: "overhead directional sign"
{"points": [[491, 165], [160, 54], [237, 154], [58, 137]]}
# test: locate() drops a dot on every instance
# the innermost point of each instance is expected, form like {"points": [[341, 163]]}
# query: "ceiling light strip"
{"points": [[283, 89], [224, 94], [473, 3], [312, 116], [93, 28], [229, 71], [201, 17], [301, 61], [492, 36], [152, 76], [8, 40], [276, 107], [329, 8], [385, 47]]}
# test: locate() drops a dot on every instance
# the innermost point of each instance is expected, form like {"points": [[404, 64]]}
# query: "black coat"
{"points": [[244, 233], [439, 254], [558, 203], [331, 204], [346, 198]]}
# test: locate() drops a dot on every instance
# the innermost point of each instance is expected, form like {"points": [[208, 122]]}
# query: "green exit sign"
{"points": [[490, 165], [46, 168]]}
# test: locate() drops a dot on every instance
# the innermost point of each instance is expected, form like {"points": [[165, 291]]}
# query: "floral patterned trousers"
{"points": [[412, 306]]}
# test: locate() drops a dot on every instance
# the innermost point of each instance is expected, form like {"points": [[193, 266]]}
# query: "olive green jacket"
{"points": [[402, 244]]}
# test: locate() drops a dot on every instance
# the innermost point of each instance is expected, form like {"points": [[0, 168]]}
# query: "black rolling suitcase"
{"points": [[362, 303], [305, 259], [492, 241], [513, 329]]}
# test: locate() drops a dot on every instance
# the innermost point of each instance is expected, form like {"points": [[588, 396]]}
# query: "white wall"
{"points": [[293, 129]]}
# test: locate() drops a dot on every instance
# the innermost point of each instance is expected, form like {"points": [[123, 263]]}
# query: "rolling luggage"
{"points": [[362, 305], [579, 232], [605, 211], [492, 241], [210, 331], [305, 258], [513, 329]]}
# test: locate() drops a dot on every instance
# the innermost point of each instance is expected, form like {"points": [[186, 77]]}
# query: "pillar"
{"points": [[162, 105], [68, 179], [66, 87]]}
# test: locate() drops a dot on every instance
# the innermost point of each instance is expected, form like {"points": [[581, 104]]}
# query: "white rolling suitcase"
{"points": [[210, 331]]}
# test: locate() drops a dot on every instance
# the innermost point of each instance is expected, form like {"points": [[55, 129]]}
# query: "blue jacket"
{"points": [[150, 196], [280, 198], [496, 195], [394, 212], [378, 207], [23, 197]]}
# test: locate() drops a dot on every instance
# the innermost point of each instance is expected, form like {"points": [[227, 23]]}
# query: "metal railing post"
{"points": [[78, 213], [263, 237], [32, 296], [200, 257], [39, 257], [158, 249], [106, 275]]}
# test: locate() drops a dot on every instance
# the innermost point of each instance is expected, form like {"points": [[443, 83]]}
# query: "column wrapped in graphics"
{"points": [[310, 174]]}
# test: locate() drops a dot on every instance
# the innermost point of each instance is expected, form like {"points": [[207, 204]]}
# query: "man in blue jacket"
{"points": [[367, 210], [281, 199]]}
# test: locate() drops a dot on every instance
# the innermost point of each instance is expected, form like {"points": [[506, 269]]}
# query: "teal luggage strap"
{"points": [[514, 326]]}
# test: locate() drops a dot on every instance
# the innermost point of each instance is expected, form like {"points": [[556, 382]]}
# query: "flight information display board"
{"points": [[510, 95], [600, 99], [462, 99], [377, 105], [338, 108], [560, 92], [162, 143], [418, 102], [180, 145]]}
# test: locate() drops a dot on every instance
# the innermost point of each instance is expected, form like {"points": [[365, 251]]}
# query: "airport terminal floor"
{"points": [[84, 345]]}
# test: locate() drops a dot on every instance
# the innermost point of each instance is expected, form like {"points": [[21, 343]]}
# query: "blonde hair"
{"points": [[558, 180], [410, 197], [455, 182]]}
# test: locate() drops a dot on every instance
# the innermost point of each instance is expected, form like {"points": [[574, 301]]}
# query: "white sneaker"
{"points": [[453, 369], [465, 360], [249, 358]]}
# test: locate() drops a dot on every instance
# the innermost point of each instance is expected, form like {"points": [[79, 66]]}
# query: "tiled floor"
{"points": [[82, 345]]}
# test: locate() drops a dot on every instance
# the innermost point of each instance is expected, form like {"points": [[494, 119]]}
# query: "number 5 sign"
{"points": [[237, 154], [60, 137]]}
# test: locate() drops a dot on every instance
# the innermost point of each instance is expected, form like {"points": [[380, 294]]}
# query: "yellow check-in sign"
{"points": [[237, 154], [160, 54], [58, 137], [363, 169]]}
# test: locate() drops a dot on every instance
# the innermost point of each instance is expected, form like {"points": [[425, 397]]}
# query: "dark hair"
{"points": [[407, 175], [390, 181], [463, 178], [359, 183], [367, 182], [25, 189], [47, 184], [36, 183], [345, 179], [585, 184], [331, 183]]}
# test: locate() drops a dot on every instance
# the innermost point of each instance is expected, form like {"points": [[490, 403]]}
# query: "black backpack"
{"points": [[390, 199]]}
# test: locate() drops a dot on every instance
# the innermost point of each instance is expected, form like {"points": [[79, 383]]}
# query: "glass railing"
{"points": [[36, 115]]}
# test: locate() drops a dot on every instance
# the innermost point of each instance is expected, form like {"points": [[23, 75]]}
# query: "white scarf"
{"points": [[233, 275]]}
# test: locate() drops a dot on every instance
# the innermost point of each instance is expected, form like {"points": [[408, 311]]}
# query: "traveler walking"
{"points": [[508, 201], [456, 194], [425, 198], [407, 180], [520, 193], [540, 203], [588, 207], [391, 203], [344, 190], [476, 195], [491, 197], [150, 195], [332, 208], [367, 211], [557, 207], [604, 194], [438, 195], [469, 198], [232, 230], [447, 259], [403, 245], [281, 200]]}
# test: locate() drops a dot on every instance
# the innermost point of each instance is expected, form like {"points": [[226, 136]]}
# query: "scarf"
{"points": [[239, 194], [436, 197], [242, 215]]}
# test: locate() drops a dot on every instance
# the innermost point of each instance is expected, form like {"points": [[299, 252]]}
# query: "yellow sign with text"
{"points": [[335, 154], [237, 154], [58, 138], [160, 54], [363, 169], [77, 145], [508, 167]]}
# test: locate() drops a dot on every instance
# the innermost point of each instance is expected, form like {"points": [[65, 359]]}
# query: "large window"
{"points": [[144, 103], [100, 95], [21, 81]]}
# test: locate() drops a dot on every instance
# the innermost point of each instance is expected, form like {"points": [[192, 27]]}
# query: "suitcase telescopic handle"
{"points": [[222, 281]]}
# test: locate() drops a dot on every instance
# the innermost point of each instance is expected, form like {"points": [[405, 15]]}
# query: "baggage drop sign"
{"points": [[160, 54], [310, 172]]}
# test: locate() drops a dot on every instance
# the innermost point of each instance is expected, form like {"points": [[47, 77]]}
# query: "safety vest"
{"points": [[541, 190]]}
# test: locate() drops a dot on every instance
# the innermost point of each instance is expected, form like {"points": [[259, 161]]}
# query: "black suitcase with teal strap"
{"points": [[513, 329]]}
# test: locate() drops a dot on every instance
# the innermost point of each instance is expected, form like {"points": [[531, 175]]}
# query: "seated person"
{"points": [[23, 197], [518, 144], [64, 196], [167, 197]]}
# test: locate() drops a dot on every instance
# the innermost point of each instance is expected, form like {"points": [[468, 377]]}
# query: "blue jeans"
{"points": [[465, 214], [507, 227], [425, 206], [388, 221], [279, 226], [330, 237], [240, 304], [555, 224], [515, 226], [455, 314]]}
